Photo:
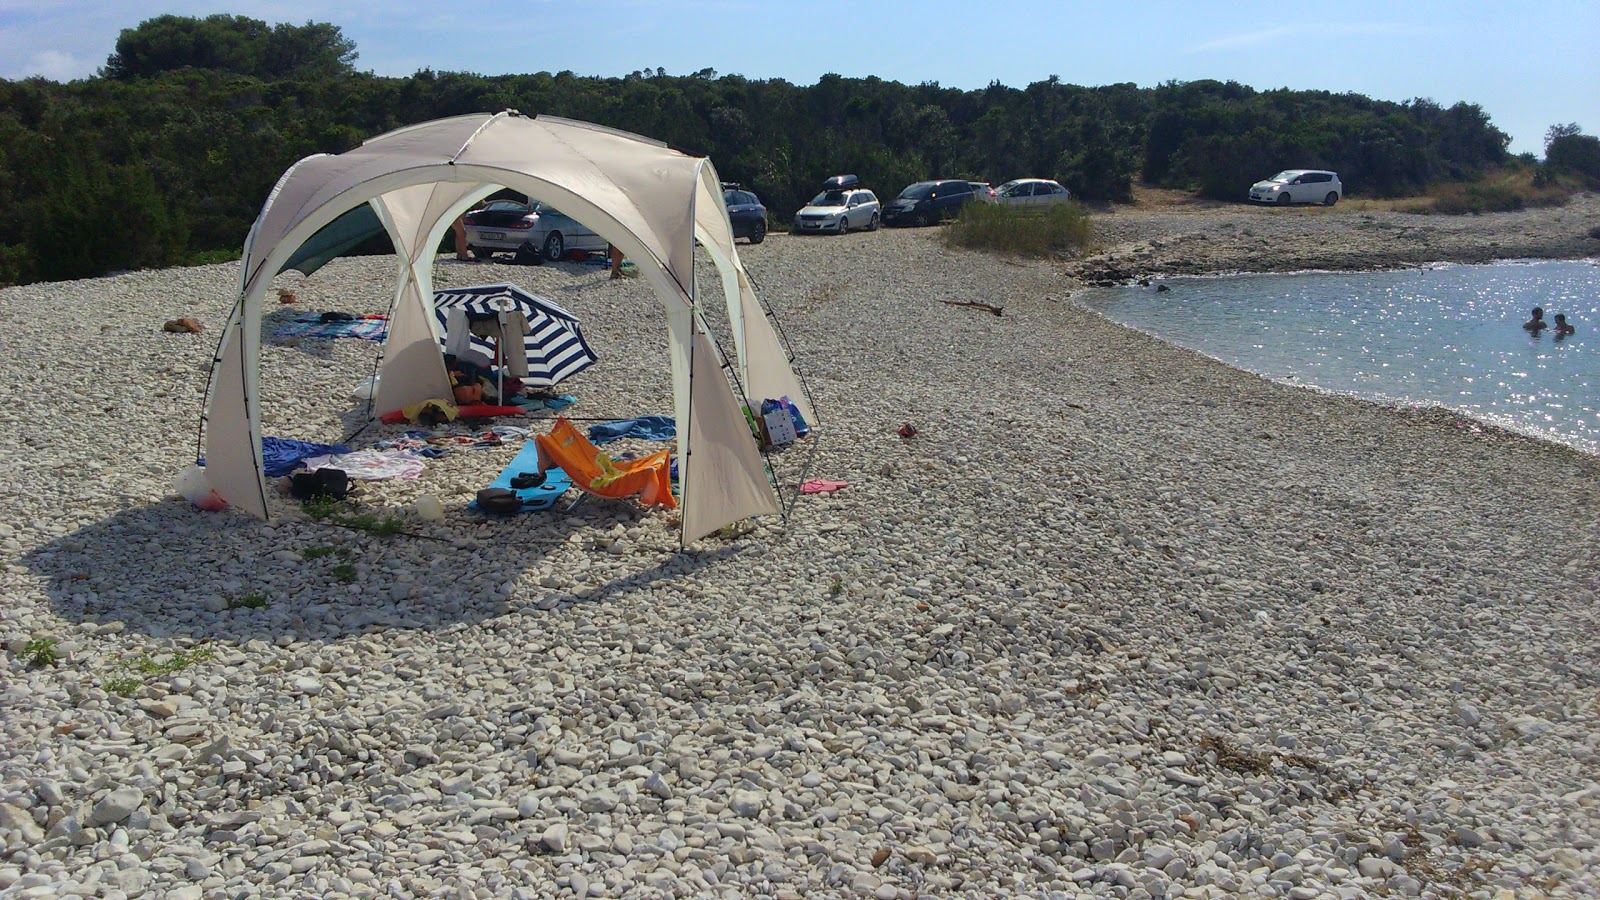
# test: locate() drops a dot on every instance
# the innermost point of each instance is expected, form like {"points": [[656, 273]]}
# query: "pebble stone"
{"points": [[1117, 621]]}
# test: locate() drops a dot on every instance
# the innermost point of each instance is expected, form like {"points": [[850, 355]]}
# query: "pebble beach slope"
{"points": [[1118, 622]]}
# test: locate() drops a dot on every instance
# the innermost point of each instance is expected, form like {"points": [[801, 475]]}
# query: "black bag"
{"points": [[528, 255], [333, 483]]}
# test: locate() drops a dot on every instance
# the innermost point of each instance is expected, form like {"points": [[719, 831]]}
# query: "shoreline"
{"points": [[1586, 447], [1146, 242]]}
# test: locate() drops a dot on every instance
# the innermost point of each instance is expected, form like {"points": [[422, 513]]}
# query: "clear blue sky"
{"points": [[1530, 64]]}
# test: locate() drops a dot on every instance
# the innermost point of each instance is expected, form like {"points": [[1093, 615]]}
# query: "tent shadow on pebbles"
{"points": [[168, 570], [317, 347]]}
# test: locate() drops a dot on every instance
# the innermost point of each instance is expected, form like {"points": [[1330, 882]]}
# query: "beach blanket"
{"points": [[533, 499], [280, 456], [366, 328], [372, 465], [552, 403], [649, 428]]}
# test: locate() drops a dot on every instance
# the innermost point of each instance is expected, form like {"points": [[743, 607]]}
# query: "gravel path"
{"points": [[1120, 621]]}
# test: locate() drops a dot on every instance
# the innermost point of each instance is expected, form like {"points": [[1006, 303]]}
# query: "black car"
{"points": [[927, 202], [745, 213]]}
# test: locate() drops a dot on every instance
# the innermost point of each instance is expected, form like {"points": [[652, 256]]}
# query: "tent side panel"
{"points": [[413, 368], [766, 362], [233, 446], [722, 463]]}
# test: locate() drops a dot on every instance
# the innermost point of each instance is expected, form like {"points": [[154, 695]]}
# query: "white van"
{"points": [[1298, 186]]}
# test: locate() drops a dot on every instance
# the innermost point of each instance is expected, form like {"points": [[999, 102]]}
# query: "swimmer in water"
{"points": [[1537, 323]]}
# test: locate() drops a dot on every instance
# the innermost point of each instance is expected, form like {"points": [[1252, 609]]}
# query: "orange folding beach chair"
{"points": [[595, 472]]}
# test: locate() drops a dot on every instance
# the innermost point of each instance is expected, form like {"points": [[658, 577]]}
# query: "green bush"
{"points": [[1062, 228], [1475, 198], [209, 257], [1576, 153], [41, 652]]}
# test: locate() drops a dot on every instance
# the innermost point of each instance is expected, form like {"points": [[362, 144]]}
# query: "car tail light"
{"points": [[521, 224], [469, 220]]}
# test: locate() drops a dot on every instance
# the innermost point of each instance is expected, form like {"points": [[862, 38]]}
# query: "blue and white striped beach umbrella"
{"points": [[554, 343]]}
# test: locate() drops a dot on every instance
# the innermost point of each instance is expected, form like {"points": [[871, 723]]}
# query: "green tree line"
{"points": [[167, 154]]}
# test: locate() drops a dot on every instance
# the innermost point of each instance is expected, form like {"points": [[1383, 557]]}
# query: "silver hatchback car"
{"points": [[1299, 186], [505, 226]]}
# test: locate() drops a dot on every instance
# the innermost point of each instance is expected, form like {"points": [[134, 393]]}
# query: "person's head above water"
{"points": [[1538, 313], [1561, 318]]}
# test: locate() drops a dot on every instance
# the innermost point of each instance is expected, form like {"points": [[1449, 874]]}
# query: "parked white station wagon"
{"points": [[1298, 186]]}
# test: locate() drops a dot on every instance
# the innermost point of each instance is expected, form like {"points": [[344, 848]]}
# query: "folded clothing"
{"points": [[649, 428]]}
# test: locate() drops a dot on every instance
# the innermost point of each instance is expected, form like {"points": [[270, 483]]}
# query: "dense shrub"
{"points": [[1577, 154], [1505, 192], [1062, 228], [171, 152]]}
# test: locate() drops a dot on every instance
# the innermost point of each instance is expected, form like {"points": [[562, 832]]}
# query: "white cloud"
{"points": [[57, 66], [1270, 35]]}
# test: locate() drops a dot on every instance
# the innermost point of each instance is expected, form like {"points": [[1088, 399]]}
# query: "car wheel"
{"points": [[872, 225], [758, 233], [1331, 199], [554, 246], [1283, 198], [844, 224]]}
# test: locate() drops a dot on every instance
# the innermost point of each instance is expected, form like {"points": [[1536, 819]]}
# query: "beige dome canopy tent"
{"points": [[651, 202]]}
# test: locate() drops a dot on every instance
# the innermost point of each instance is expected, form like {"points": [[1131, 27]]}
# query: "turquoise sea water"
{"points": [[1449, 335]]}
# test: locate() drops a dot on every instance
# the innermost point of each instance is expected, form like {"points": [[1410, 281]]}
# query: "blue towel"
{"points": [[538, 498], [281, 456], [650, 428]]}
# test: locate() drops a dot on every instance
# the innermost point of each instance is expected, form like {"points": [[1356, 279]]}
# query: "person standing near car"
{"points": [[616, 261], [459, 226]]}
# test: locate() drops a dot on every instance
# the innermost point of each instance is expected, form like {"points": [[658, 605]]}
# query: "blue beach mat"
{"points": [[534, 499], [367, 328]]}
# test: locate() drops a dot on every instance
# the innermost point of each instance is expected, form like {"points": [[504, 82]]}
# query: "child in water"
{"points": [[1562, 329], [1537, 323]]}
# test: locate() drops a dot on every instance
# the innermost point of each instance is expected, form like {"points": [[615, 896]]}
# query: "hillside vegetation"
{"points": [[167, 154]]}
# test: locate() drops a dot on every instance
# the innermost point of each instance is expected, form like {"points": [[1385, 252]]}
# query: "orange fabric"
{"points": [[592, 470]]}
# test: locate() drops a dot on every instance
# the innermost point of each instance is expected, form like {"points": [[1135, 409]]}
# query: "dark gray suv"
{"points": [[928, 202]]}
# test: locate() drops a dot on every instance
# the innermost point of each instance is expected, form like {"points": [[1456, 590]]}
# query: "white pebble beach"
{"points": [[1118, 621]]}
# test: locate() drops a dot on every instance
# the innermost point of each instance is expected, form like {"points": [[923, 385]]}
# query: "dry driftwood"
{"points": [[983, 306]]}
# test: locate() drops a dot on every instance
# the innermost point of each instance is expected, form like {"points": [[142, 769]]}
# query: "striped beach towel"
{"points": [[366, 328]]}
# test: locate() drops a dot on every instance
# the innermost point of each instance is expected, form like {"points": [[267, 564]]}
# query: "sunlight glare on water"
{"points": [[1450, 335]]}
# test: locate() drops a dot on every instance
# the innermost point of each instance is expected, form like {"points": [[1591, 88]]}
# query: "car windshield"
{"points": [[730, 197], [917, 191], [829, 198], [506, 206], [1282, 177]]}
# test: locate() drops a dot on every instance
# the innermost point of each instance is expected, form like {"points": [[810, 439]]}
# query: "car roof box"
{"points": [[840, 183]]}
